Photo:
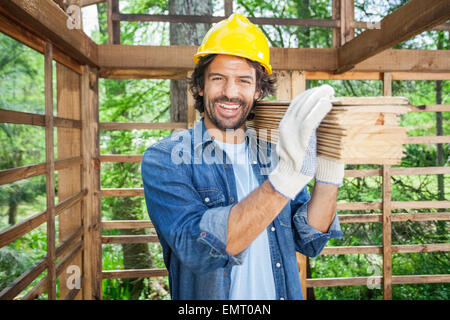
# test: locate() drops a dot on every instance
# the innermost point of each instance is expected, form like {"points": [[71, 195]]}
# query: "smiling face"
{"points": [[229, 92]]}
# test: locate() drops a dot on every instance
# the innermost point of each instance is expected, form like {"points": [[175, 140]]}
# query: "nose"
{"points": [[230, 90]]}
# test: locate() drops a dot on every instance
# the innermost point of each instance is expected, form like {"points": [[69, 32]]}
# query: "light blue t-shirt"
{"points": [[253, 279]]}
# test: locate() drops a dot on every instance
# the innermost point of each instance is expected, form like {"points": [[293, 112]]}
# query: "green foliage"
{"points": [[147, 100]]}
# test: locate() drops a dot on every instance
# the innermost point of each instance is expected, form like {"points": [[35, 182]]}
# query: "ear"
{"points": [[257, 94], [200, 92]]}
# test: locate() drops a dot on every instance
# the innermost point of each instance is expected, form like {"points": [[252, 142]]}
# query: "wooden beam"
{"points": [[69, 145], [413, 18], [324, 23], [46, 20], [175, 59]]}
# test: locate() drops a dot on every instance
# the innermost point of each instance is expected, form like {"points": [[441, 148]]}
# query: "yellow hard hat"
{"points": [[236, 36]]}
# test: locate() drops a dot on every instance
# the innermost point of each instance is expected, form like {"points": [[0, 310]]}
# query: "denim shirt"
{"points": [[189, 190]]}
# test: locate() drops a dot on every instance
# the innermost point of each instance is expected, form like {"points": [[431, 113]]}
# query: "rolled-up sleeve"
{"points": [[194, 232], [310, 241]]}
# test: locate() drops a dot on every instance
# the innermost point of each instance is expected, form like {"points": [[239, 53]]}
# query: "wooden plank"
{"points": [[69, 145], [68, 243], [412, 18], [397, 60], [420, 216], [126, 224], [113, 24], [387, 234], [134, 273], [50, 172], [129, 239], [395, 217], [335, 282], [135, 73], [420, 204], [302, 59], [15, 174], [24, 36], [359, 206], [91, 209], [191, 112], [19, 117], [123, 192], [228, 7], [412, 248], [347, 16], [323, 23], [121, 157], [427, 139], [431, 108], [11, 291], [418, 76], [359, 281], [47, 21], [142, 125], [16, 231], [180, 58]]}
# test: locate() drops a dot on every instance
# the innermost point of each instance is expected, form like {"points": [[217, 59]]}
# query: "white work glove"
{"points": [[296, 145], [329, 171]]}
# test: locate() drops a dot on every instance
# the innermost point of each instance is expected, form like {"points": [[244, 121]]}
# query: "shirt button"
{"points": [[278, 264], [272, 229], [281, 298], [203, 234], [206, 199], [225, 165], [231, 199]]}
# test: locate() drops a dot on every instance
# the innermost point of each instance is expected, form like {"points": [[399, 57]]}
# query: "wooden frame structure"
{"points": [[41, 24]]}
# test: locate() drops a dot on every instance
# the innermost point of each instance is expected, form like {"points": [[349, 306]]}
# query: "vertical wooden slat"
{"points": [[113, 26], [387, 223], [283, 85], [91, 208], [228, 6], [336, 14], [191, 112], [347, 14], [69, 145], [50, 170], [298, 85]]}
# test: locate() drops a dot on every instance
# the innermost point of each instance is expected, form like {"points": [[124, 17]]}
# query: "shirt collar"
{"points": [[202, 138]]}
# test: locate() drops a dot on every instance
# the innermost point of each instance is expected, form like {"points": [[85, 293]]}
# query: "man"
{"points": [[229, 211]]}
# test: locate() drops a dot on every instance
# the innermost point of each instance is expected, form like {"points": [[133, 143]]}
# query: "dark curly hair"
{"points": [[264, 83]]}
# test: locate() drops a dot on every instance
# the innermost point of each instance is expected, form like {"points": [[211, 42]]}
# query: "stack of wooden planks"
{"points": [[357, 130]]}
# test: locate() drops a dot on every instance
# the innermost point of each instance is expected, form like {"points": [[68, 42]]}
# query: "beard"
{"points": [[210, 112]]}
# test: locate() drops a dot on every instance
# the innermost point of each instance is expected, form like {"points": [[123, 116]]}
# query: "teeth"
{"points": [[228, 106]]}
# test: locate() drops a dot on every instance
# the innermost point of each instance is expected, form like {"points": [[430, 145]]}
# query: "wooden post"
{"points": [[69, 146], [290, 85], [387, 223], [298, 85], [191, 111], [50, 170], [336, 14], [113, 26], [91, 208], [347, 16], [228, 7]]}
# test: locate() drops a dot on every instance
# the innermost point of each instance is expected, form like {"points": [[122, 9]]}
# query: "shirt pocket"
{"points": [[212, 197]]}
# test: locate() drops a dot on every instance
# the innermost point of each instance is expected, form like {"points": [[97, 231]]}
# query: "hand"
{"points": [[329, 171], [296, 145]]}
